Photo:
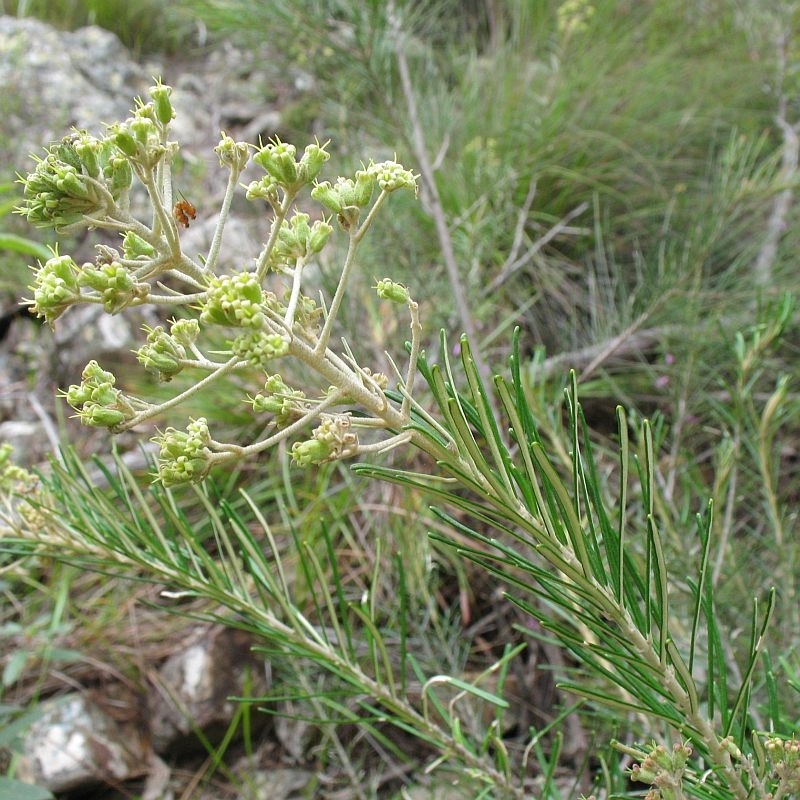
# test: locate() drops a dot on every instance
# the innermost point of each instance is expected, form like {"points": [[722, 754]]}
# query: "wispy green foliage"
{"points": [[145, 26]]}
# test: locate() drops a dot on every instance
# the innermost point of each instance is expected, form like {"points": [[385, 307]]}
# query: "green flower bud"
{"points": [[124, 140], [164, 365], [643, 775], [328, 196], [66, 152], [119, 175], [77, 395], [390, 290], [310, 452], [143, 128], [320, 231], [363, 189], [275, 384], [71, 184], [232, 154], [265, 404], [98, 416], [90, 151], [731, 748], [133, 246], [162, 104], [278, 160], [314, 157]]}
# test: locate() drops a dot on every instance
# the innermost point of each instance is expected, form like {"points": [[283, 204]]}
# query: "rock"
{"points": [[277, 783], [74, 743], [25, 437], [54, 80], [195, 686]]}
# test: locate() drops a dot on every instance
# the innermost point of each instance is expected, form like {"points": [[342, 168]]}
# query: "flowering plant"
{"points": [[541, 524]]}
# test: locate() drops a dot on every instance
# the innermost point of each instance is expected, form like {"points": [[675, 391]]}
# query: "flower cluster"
{"points": [[163, 353], [14, 479], [785, 757], [82, 178], [59, 282], [278, 159], [332, 439], [79, 177], [232, 154], [234, 300], [141, 137], [55, 288], [299, 240], [347, 196], [391, 176], [663, 770], [20, 495], [345, 192], [184, 456], [114, 285], [98, 402], [86, 180], [258, 348], [285, 403], [307, 316], [574, 17]]}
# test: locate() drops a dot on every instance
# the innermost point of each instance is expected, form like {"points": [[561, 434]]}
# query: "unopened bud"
{"points": [[388, 289], [162, 104]]}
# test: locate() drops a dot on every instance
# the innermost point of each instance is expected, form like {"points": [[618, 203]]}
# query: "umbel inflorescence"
{"points": [[86, 182]]}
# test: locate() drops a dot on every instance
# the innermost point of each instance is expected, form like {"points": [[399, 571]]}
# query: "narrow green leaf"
{"points": [[381, 661], [661, 581], [775, 713], [11, 789], [618, 559], [323, 601], [428, 697], [19, 244], [476, 691], [572, 524], [666, 712], [684, 676], [757, 633], [487, 416]]}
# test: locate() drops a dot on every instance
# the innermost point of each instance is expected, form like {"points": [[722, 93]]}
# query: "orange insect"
{"points": [[184, 211]]}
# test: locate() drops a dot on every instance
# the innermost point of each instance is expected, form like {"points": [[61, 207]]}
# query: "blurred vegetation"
{"points": [[145, 26], [608, 188]]}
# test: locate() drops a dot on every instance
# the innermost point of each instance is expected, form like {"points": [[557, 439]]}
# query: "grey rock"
{"points": [[74, 743], [195, 686], [54, 80]]}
